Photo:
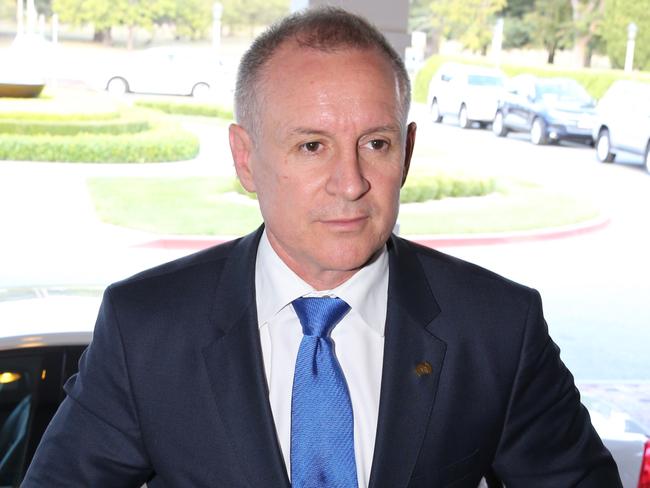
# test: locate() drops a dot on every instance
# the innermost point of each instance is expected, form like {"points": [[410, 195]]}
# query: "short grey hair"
{"points": [[326, 29]]}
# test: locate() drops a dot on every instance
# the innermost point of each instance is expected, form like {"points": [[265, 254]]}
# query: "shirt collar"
{"points": [[277, 286]]}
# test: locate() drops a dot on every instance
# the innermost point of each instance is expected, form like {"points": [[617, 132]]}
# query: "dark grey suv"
{"points": [[550, 109]]}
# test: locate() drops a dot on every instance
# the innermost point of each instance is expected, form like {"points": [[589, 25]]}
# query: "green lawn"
{"points": [[174, 206], [206, 206]]}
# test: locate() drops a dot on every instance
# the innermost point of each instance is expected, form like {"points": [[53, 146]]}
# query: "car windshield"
{"points": [[563, 90]]}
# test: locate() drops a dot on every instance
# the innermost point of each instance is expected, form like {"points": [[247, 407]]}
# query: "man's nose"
{"points": [[347, 177]]}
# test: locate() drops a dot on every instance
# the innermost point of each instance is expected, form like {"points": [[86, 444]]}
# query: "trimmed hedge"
{"points": [[595, 81], [44, 115], [73, 127], [424, 188], [187, 108], [436, 187], [163, 143]]}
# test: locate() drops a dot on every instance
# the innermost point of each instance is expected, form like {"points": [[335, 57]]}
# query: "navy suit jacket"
{"points": [[172, 390]]}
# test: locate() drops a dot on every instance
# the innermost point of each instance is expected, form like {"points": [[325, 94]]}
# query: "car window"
{"points": [[562, 90], [19, 378], [484, 80], [31, 389]]}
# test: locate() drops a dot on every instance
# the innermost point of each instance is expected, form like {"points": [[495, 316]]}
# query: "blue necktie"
{"points": [[322, 430]]}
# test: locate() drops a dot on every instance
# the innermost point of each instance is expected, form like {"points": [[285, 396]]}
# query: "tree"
{"points": [[469, 21], [587, 16], [191, 18], [517, 8], [98, 13], [252, 13], [554, 25], [516, 31], [617, 16]]}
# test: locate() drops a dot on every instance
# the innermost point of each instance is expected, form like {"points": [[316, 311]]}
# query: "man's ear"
{"points": [[241, 147], [410, 144]]}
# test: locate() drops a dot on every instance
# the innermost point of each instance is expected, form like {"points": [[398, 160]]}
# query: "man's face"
{"points": [[329, 160]]}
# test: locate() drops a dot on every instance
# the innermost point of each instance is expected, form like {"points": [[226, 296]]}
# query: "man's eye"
{"points": [[378, 144], [311, 146]]}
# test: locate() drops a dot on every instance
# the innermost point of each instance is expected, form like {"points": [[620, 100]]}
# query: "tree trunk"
{"points": [[129, 37], [102, 35], [551, 53], [582, 51]]}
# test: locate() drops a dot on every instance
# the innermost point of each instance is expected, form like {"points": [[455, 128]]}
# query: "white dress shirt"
{"points": [[358, 339]]}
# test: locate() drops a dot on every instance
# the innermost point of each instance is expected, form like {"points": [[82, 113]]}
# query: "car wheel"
{"points": [[117, 86], [498, 127], [604, 147], [463, 120], [201, 90], [538, 134], [436, 116], [647, 157]]}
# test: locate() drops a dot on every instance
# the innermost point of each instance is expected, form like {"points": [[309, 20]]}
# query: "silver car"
{"points": [[467, 92], [624, 121], [166, 70]]}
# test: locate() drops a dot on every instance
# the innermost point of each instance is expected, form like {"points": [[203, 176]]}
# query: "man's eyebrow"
{"points": [[319, 132], [305, 131], [383, 128]]}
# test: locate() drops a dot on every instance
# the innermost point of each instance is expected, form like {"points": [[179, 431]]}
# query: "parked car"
{"points": [[45, 331], [42, 336], [166, 70], [550, 109], [623, 121], [467, 92]]}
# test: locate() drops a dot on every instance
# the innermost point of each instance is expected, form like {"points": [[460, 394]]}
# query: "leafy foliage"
{"points": [[469, 21], [188, 108], [554, 25], [436, 187], [163, 143], [191, 18], [517, 32], [36, 124], [617, 16], [252, 13], [595, 81], [425, 188]]}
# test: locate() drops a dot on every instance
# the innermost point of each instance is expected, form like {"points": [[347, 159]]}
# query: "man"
{"points": [[437, 373]]}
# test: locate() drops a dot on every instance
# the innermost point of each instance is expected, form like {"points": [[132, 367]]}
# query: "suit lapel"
{"points": [[236, 371], [413, 359]]}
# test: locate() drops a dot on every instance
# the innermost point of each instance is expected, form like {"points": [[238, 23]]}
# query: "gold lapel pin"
{"points": [[423, 368]]}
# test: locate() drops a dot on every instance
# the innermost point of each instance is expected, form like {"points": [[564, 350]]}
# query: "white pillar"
{"points": [[217, 12], [20, 18], [31, 17], [55, 29], [41, 25], [497, 41], [629, 52]]}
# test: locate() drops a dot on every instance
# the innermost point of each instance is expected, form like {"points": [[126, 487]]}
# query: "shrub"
{"points": [[187, 108], [436, 187], [162, 143], [236, 185], [60, 116], [424, 188], [73, 127]]}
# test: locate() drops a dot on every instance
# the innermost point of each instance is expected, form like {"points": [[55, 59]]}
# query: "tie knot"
{"points": [[318, 316]]}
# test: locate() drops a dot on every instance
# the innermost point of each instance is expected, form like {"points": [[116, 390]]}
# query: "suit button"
{"points": [[423, 368]]}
